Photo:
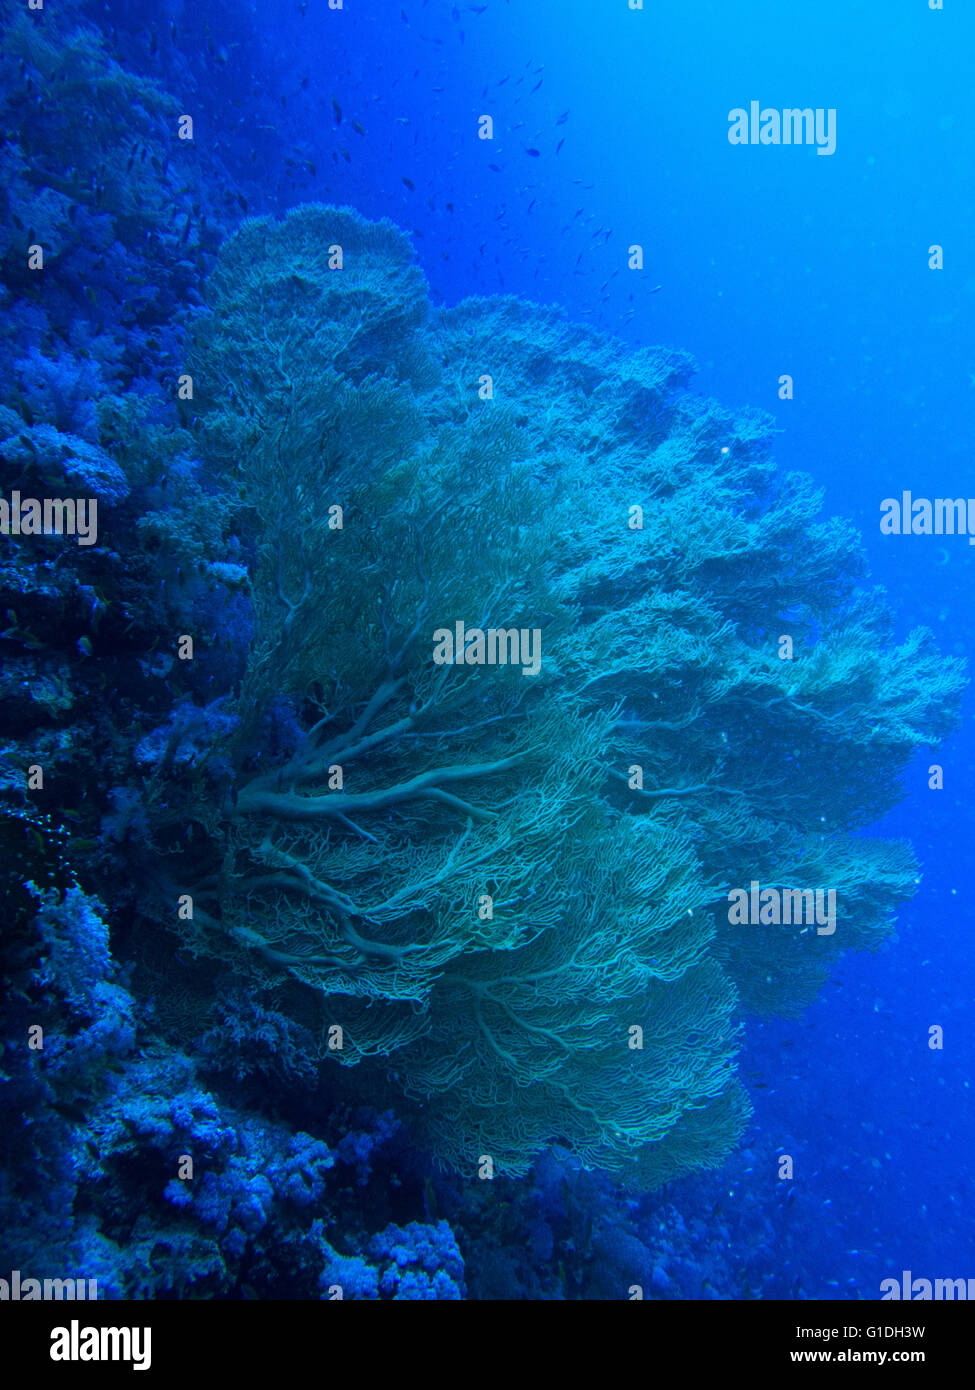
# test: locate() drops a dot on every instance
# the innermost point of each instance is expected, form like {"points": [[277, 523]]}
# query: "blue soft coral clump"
{"points": [[251, 1182], [188, 736], [417, 1262], [61, 388], [345, 1276], [67, 461], [357, 1147], [297, 1169], [421, 1261], [77, 969], [74, 940]]}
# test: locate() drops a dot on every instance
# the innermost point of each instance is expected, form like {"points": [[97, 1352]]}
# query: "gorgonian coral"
{"points": [[508, 891]]}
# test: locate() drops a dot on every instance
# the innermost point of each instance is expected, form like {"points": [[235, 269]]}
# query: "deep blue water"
{"points": [[611, 128]]}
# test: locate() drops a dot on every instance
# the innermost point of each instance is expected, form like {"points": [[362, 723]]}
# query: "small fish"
{"points": [[536, 86], [533, 152], [561, 120], [495, 167], [357, 128], [560, 144], [409, 183], [336, 111]]}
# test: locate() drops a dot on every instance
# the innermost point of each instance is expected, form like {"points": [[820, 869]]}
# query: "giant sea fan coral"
{"points": [[457, 864]]}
